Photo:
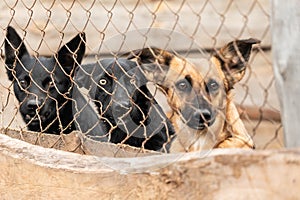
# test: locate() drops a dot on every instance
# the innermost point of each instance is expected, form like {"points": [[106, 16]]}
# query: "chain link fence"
{"points": [[190, 30]]}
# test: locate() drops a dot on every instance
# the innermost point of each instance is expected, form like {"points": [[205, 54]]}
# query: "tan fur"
{"points": [[189, 139], [228, 130], [235, 134]]}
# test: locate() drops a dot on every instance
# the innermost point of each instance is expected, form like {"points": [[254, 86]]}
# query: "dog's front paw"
{"points": [[233, 142]]}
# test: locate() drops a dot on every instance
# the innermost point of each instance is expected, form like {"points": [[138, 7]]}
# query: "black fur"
{"points": [[128, 112], [43, 85]]}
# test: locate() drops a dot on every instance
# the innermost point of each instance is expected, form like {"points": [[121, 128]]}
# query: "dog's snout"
{"points": [[33, 104], [199, 118], [204, 115]]}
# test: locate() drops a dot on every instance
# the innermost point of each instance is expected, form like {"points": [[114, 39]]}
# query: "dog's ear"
{"points": [[233, 58], [154, 62], [14, 48], [70, 55]]}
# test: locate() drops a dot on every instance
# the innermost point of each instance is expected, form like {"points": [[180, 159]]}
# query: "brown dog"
{"points": [[203, 112]]}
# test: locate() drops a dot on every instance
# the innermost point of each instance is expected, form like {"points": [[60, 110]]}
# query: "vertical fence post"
{"points": [[286, 65]]}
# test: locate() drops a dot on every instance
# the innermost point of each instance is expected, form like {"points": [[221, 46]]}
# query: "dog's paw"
{"points": [[236, 143]]}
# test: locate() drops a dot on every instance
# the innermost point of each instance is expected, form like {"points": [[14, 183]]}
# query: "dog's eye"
{"points": [[48, 83], [103, 81], [183, 85], [212, 86], [51, 84], [23, 84]]}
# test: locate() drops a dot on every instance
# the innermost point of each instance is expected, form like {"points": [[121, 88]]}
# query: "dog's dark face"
{"points": [[41, 85], [122, 95], [128, 112], [197, 91]]}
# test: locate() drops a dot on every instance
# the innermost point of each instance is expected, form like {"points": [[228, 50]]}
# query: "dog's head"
{"points": [[197, 93], [121, 92], [127, 110], [41, 84]]}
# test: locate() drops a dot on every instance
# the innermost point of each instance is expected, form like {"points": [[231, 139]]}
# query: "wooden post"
{"points": [[286, 59]]}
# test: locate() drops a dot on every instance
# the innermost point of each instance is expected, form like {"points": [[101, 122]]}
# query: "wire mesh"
{"points": [[190, 29]]}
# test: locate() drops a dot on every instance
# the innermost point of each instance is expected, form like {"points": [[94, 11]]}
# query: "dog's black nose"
{"points": [[33, 104], [203, 115], [200, 118]]}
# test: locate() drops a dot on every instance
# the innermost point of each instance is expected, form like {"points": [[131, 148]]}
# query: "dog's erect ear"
{"points": [[14, 48], [234, 57], [154, 62], [71, 54]]}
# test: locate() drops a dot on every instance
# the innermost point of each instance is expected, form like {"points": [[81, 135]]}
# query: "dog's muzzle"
{"points": [[35, 113], [200, 119]]}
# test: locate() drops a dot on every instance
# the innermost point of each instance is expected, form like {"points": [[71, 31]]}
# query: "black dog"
{"points": [[43, 85], [129, 113]]}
